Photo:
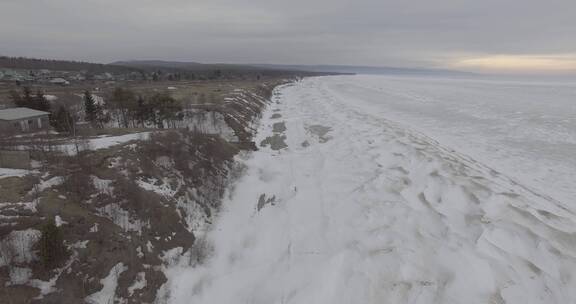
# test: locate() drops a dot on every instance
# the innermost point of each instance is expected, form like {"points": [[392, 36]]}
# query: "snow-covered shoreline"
{"points": [[358, 209]]}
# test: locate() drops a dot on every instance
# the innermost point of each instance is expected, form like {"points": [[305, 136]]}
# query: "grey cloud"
{"points": [[385, 32]]}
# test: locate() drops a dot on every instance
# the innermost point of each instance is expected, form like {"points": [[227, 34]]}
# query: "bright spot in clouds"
{"points": [[520, 63]]}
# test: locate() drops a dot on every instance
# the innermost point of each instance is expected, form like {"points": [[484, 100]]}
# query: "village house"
{"points": [[60, 81], [23, 120]]}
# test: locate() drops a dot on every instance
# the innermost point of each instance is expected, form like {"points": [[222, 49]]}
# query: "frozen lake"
{"points": [[526, 130], [345, 203]]}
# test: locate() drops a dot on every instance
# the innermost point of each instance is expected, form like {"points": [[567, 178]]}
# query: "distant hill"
{"points": [[146, 64], [186, 66], [60, 65], [202, 68], [323, 69], [363, 70], [222, 69]]}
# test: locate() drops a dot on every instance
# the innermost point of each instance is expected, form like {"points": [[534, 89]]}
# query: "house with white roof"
{"points": [[60, 81], [23, 120]]}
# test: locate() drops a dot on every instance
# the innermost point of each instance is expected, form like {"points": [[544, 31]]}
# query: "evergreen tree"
{"points": [[52, 248], [90, 108]]}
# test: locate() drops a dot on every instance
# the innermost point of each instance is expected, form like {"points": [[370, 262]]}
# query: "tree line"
{"points": [[124, 106], [59, 65], [30, 100], [159, 110], [60, 118]]}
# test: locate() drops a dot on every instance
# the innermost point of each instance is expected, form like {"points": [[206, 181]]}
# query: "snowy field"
{"points": [[384, 190]]}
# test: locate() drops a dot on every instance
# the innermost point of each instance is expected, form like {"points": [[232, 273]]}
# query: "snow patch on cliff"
{"points": [[108, 292]]}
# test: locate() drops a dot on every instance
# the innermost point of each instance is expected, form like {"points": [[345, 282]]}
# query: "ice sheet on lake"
{"points": [[378, 214], [526, 129]]}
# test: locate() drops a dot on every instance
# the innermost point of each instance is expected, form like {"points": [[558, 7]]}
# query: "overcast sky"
{"points": [[463, 34]]}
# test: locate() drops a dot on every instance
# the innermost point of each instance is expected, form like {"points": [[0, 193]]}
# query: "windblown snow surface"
{"points": [[400, 190]]}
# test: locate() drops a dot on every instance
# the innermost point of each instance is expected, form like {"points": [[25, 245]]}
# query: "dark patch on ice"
{"points": [[263, 201], [279, 127], [533, 267], [320, 131], [497, 298], [425, 202], [509, 194], [548, 215], [276, 142], [305, 144], [276, 116]]}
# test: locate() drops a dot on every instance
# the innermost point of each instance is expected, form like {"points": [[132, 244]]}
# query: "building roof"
{"points": [[20, 113], [59, 80]]}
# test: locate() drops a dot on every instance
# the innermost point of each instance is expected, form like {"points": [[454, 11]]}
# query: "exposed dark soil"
{"points": [[124, 222]]}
